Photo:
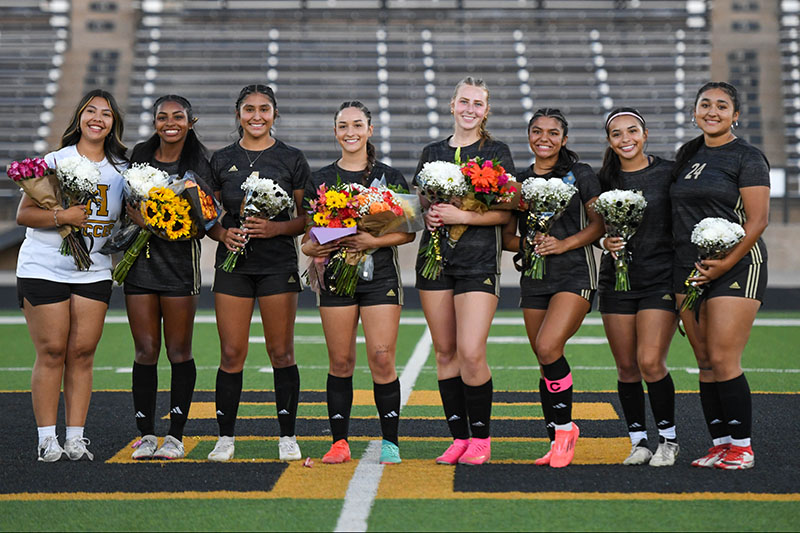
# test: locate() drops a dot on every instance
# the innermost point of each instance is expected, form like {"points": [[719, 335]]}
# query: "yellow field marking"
{"points": [[318, 482], [124, 455], [580, 410]]}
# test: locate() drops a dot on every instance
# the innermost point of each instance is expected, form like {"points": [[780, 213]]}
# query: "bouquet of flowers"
{"points": [[39, 182], [140, 179], [263, 198], [439, 181], [489, 187], [546, 199], [714, 238], [78, 178], [622, 211]]}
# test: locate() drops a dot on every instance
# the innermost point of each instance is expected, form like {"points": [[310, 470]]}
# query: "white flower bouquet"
{"points": [[622, 212], [140, 178], [546, 199], [78, 178], [439, 181], [714, 238], [263, 198]]}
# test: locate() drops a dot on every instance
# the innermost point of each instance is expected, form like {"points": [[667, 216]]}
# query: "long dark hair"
{"points": [[370, 147], [479, 83], [609, 174], [566, 157], [194, 154], [113, 148], [689, 149], [246, 91]]}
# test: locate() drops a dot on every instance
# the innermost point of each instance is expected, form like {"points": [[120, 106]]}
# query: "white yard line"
{"points": [[363, 487]]}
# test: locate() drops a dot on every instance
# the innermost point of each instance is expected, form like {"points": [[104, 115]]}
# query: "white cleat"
{"points": [[223, 451], [288, 449]]}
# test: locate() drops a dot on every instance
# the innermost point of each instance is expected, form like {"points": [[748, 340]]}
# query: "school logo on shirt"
{"points": [[734, 285], [569, 178], [391, 293], [233, 169]]}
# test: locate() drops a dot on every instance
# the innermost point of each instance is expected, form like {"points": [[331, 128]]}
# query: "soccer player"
{"points": [[163, 283], [460, 304], [377, 302], [554, 307], [641, 322], [719, 175], [64, 307], [266, 271]]}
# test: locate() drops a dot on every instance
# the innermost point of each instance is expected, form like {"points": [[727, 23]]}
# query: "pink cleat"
{"points": [[564, 447], [478, 452], [545, 459], [452, 454]]}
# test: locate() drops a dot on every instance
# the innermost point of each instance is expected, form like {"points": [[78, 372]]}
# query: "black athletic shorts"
{"points": [[489, 283], [131, 289], [542, 301], [254, 285], [743, 280], [42, 291], [612, 304], [388, 292]]}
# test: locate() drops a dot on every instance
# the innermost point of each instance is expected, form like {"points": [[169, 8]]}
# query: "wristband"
{"points": [[603, 243]]}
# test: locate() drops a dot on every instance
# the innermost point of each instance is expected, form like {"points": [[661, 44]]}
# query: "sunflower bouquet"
{"points": [[622, 212], [439, 182], [140, 180], [78, 178], [263, 198], [546, 199], [334, 214], [714, 238]]}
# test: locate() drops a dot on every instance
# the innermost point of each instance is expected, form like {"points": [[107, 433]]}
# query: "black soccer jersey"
{"points": [[168, 265], [285, 165], [385, 260], [650, 247], [575, 269], [708, 186], [479, 248]]}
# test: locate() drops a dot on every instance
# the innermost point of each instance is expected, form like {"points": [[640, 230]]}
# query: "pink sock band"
{"points": [[559, 385]]}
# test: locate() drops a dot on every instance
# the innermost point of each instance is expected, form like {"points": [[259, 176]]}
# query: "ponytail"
{"points": [[609, 173], [370, 162], [685, 153]]}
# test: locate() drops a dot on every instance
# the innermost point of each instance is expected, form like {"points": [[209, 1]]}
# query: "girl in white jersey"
{"points": [[64, 307]]}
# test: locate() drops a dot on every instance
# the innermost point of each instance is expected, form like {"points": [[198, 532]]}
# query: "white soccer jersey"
{"points": [[39, 256]]}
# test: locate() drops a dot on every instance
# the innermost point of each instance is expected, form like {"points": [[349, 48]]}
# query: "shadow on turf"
{"points": [[111, 427]]}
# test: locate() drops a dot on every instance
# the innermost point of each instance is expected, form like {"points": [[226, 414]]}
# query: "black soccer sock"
{"points": [[662, 403], [479, 408], [144, 385], [340, 401], [558, 380], [547, 410], [712, 410], [631, 396], [737, 406], [455, 406], [184, 376], [287, 394], [387, 400], [229, 391]]}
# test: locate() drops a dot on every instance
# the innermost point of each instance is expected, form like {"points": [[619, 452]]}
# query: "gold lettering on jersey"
{"points": [[97, 229], [100, 201], [697, 169]]}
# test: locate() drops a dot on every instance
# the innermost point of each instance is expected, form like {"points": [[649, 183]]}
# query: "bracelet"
{"points": [[55, 217]]}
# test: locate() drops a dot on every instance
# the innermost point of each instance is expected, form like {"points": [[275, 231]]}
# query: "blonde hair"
{"points": [[476, 82]]}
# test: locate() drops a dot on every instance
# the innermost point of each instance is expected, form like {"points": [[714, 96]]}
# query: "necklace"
{"points": [[247, 155]]}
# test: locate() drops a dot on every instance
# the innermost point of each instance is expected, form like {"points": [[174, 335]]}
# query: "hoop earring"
{"points": [[694, 122], [735, 124]]}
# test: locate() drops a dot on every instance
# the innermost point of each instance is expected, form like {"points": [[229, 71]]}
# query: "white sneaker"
{"points": [[50, 451], [172, 448], [76, 449], [665, 454], [223, 451], [288, 449], [639, 455], [145, 447]]}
